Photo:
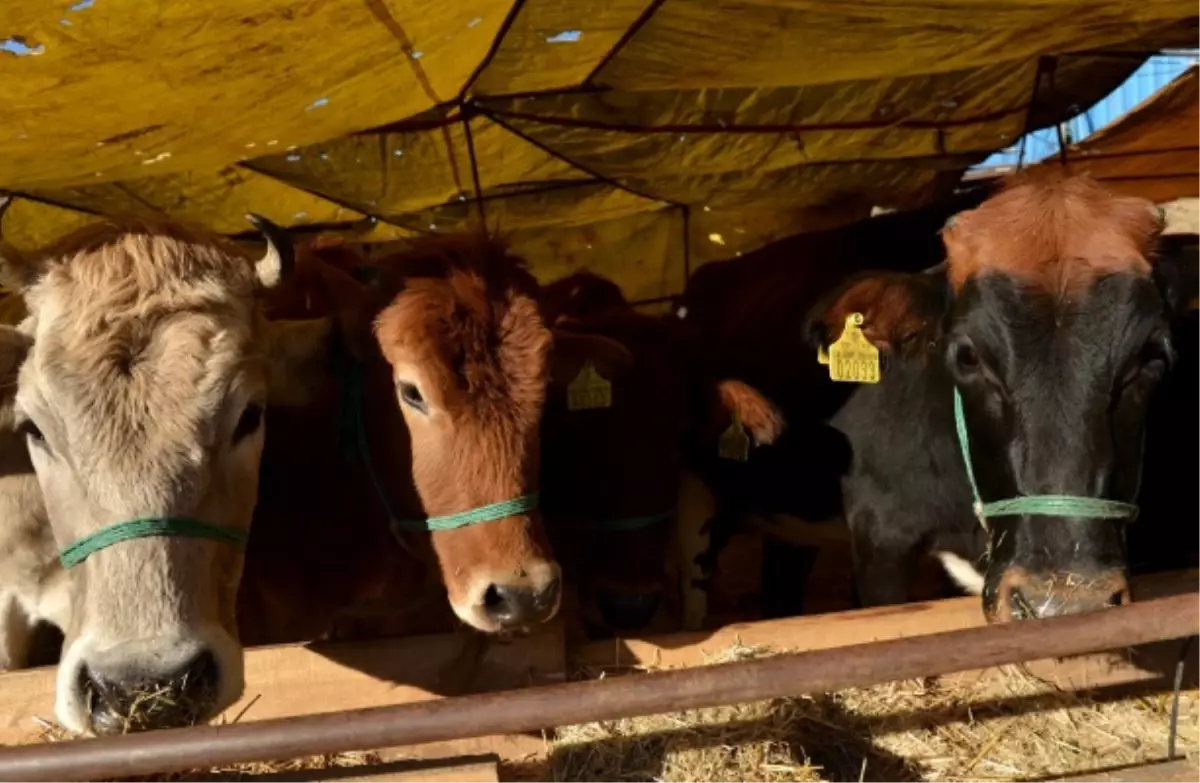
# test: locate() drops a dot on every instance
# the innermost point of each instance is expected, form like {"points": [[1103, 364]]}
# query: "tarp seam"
{"points": [[626, 36], [620, 127], [585, 169]]}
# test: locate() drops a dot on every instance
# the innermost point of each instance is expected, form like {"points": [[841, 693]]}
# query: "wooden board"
{"points": [[1162, 772], [816, 632], [287, 680], [462, 769]]}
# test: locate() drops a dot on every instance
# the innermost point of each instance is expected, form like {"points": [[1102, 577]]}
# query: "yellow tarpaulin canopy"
{"points": [[1152, 152], [635, 138]]}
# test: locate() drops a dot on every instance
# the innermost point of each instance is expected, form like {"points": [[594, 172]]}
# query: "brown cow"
{"points": [[432, 410], [611, 474]]}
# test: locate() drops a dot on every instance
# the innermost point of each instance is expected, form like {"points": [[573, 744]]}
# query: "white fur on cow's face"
{"points": [[141, 397]]}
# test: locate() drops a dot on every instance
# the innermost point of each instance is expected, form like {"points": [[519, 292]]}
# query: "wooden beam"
{"points": [[1161, 772], [822, 631], [533, 709], [461, 769], [817, 632], [289, 680]]}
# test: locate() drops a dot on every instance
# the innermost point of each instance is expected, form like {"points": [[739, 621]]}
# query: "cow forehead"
{"points": [[468, 337], [1059, 236]]}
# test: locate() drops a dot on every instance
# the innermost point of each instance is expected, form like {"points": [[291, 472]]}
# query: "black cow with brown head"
{"points": [[1023, 365]]}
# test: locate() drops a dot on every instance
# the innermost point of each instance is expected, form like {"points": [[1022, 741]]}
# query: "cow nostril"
{"points": [[513, 606], [549, 595], [1019, 607], [1119, 598], [492, 600]]}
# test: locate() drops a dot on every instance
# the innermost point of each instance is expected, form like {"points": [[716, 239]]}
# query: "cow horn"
{"points": [[6, 201], [276, 264]]}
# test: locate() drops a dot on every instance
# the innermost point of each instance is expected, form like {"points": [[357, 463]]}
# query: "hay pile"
{"points": [[912, 730]]}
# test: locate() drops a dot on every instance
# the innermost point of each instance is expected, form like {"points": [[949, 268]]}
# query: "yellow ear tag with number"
{"points": [[734, 443], [852, 358], [589, 390]]}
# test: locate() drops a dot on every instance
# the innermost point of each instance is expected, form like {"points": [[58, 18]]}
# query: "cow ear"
{"points": [[1176, 270], [16, 272], [297, 360], [757, 414], [900, 311], [573, 349], [14, 347]]}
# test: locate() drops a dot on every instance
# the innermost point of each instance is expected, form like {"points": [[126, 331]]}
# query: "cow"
{"points": [[1022, 371], [415, 472], [132, 419], [611, 469], [1047, 327], [744, 318]]}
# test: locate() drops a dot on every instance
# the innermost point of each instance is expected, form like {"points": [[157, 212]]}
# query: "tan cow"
{"points": [[141, 375]]}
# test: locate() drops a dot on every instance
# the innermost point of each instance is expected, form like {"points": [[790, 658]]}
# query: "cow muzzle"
{"points": [[1025, 595]]}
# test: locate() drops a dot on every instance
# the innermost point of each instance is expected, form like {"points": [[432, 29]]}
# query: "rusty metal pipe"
{"points": [[531, 709]]}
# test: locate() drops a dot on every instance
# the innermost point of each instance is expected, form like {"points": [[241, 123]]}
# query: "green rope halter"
{"points": [[177, 527], [351, 413], [489, 513], [623, 524], [1040, 505]]}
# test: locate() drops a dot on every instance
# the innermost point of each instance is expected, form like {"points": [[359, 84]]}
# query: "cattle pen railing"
{"points": [[534, 708]]}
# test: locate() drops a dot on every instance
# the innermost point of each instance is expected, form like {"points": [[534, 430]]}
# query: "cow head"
{"points": [[468, 355], [144, 366], [1050, 317], [611, 474]]}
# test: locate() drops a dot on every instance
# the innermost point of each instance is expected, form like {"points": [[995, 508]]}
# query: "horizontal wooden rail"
{"points": [[559, 705]]}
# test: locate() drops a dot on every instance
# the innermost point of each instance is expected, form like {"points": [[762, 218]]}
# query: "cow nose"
{"points": [[519, 605], [121, 703], [627, 611], [1025, 596]]}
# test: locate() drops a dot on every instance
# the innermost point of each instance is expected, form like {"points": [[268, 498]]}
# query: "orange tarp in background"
{"points": [[1152, 152], [640, 138]]}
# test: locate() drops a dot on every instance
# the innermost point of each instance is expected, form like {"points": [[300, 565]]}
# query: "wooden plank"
{"points": [[288, 680], [1162, 772], [461, 769], [819, 632], [1147, 666]]}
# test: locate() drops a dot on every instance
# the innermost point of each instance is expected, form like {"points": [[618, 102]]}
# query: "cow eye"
{"points": [[249, 422], [1155, 357], [1157, 351], [31, 432], [964, 356], [411, 396]]}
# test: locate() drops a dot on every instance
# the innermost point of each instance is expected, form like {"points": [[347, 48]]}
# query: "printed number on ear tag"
{"points": [[852, 358], [734, 443], [589, 390]]}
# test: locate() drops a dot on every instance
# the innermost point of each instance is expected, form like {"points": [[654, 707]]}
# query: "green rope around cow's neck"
{"points": [[1039, 505], [354, 419], [177, 527], [625, 524], [489, 513]]}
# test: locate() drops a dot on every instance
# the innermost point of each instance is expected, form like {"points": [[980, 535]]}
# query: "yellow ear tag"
{"points": [[852, 358], [734, 443], [589, 390]]}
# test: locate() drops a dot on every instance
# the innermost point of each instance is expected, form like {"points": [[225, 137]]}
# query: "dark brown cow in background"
{"points": [[611, 474]]}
